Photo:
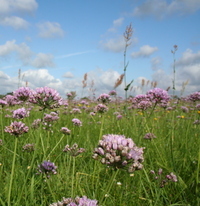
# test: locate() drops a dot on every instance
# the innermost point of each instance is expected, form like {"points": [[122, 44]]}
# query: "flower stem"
{"points": [[12, 172]]}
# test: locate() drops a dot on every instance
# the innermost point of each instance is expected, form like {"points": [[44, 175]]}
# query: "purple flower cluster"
{"points": [[77, 122], [184, 109], [144, 105], [163, 179], [101, 108], [158, 95], [17, 128], [20, 113], [117, 151], [113, 93], [194, 97], [104, 98], [149, 136], [23, 93], [47, 168], [36, 123], [65, 130], [74, 150], [78, 201], [11, 100], [3, 102], [75, 111], [46, 97], [53, 116]]}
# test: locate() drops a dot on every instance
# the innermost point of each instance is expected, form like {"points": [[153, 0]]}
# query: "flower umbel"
{"points": [[74, 150], [47, 168], [117, 151], [78, 201], [17, 128]]}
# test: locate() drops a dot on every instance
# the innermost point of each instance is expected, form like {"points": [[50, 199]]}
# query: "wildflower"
{"points": [[184, 109], [194, 97], [196, 122], [46, 97], [23, 93], [20, 113], [47, 168], [144, 105], [3, 102], [149, 136], [11, 100], [74, 150], [78, 201], [163, 179], [76, 111], [117, 151], [53, 116], [65, 130], [17, 128], [36, 123], [113, 93], [28, 148], [77, 122], [158, 95], [92, 113], [1, 142], [119, 117], [104, 98], [101, 108], [119, 183]]}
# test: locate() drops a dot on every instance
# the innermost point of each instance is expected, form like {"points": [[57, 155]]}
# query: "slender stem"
{"points": [[73, 172], [12, 171]]}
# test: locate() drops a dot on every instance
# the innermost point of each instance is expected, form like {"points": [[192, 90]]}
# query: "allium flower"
{"points": [[74, 150], [17, 128], [78, 201], [3, 102], [28, 148], [101, 108], [158, 95], [11, 100], [119, 117], [144, 105], [77, 122], [46, 97], [163, 179], [104, 98], [47, 168], [53, 116], [75, 111], [194, 97], [36, 123], [117, 151], [23, 93], [65, 130], [20, 113], [113, 93], [184, 109], [138, 98], [149, 136]]}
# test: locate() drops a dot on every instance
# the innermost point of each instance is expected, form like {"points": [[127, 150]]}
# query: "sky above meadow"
{"points": [[54, 43]]}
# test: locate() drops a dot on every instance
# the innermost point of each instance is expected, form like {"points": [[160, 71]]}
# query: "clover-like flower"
{"points": [[104, 98], [65, 130], [20, 113], [74, 150], [46, 97], [47, 168], [28, 148], [194, 97], [101, 108], [117, 151], [23, 93], [149, 136], [77, 122], [16, 128], [158, 95], [78, 201]]}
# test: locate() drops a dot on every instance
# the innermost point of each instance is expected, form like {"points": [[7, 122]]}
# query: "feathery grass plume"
{"points": [[127, 37], [174, 68], [184, 84], [119, 81]]}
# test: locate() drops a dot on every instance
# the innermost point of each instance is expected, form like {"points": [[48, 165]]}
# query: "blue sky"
{"points": [[55, 43]]}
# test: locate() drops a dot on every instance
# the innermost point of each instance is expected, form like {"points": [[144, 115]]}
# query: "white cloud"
{"points": [[43, 60], [68, 75], [145, 51], [8, 7], [50, 30], [156, 63], [162, 8], [116, 24]]}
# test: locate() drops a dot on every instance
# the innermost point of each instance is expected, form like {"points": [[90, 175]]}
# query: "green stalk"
{"points": [[73, 172], [12, 171]]}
